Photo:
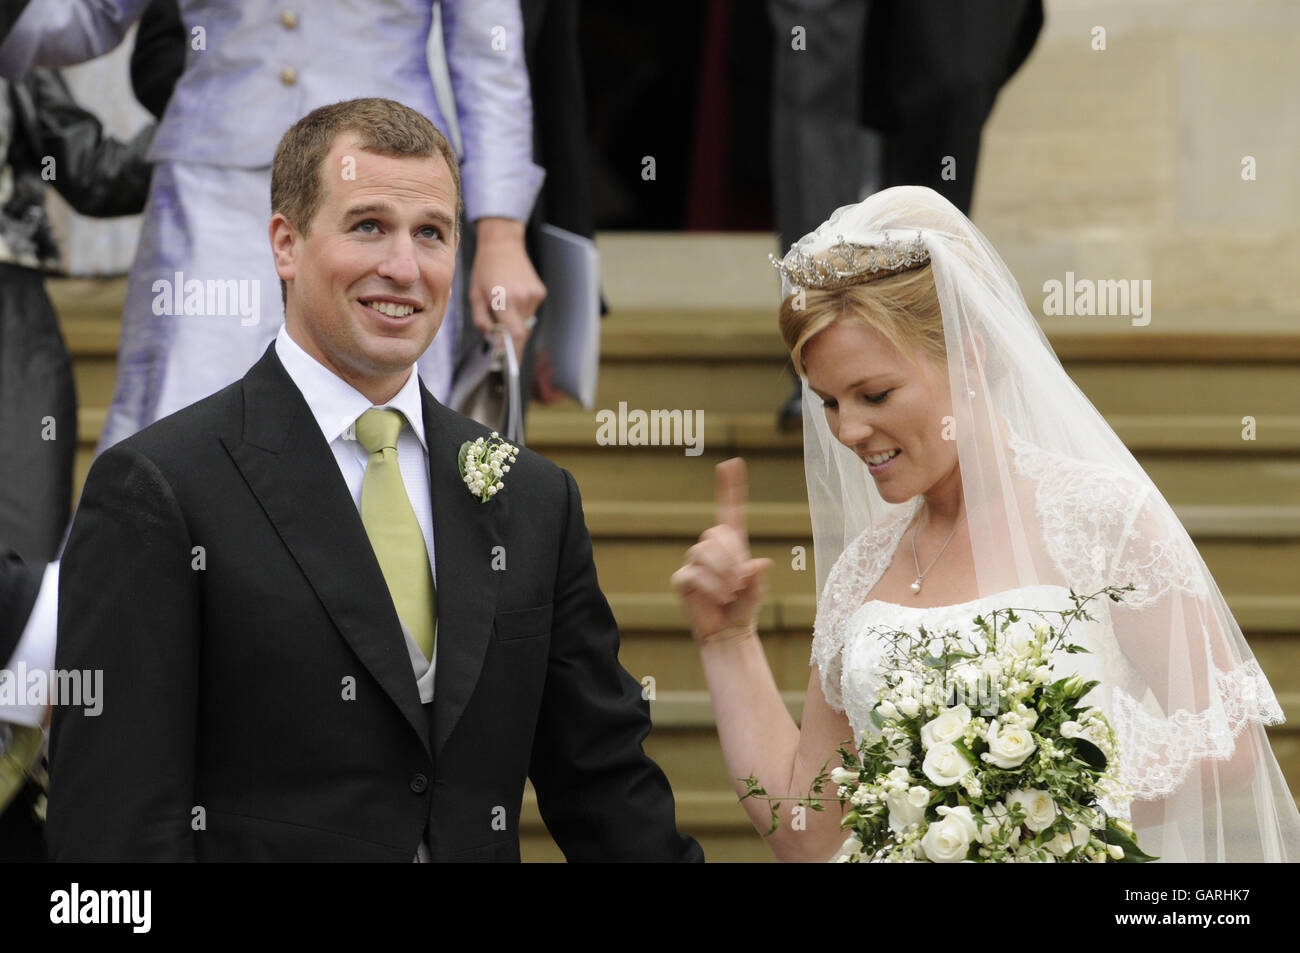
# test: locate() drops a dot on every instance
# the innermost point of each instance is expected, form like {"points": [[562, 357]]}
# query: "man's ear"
{"points": [[284, 246]]}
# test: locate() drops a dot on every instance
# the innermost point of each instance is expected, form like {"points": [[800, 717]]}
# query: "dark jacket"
{"points": [[263, 707], [54, 142]]}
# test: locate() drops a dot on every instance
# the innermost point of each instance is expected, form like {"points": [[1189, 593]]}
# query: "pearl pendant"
{"points": [[916, 586]]}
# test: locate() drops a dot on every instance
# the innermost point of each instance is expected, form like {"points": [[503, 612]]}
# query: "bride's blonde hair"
{"points": [[903, 308]]}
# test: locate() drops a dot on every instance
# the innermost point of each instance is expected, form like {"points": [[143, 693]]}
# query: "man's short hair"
{"points": [[382, 126]]}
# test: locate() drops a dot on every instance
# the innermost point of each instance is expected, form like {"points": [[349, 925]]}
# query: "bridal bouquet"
{"points": [[983, 754]]}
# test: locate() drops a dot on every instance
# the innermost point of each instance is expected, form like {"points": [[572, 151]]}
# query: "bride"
{"points": [[953, 467]]}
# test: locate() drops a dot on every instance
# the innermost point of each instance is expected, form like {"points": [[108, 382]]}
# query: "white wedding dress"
{"points": [[848, 652]]}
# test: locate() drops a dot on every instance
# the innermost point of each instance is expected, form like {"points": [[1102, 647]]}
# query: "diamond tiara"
{"points": [[851, 263]]}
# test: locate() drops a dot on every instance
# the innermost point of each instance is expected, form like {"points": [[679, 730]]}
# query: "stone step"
{"points": [[1188, 477], [1192, 459], [670, 662], [651, 613], [1198, 336], [661, 520], [1247, 564], [747, 384], [638, 334], [714, 818], [757, 385], [640, 544]]}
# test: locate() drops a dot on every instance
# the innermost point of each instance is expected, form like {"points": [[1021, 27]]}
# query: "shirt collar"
{"points": [[334, 402]]}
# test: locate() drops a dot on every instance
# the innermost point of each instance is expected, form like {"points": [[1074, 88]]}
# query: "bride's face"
{"points": [[876, 401]]}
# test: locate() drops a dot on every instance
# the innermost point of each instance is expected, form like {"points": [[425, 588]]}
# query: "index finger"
{"points": [[732, 490]]}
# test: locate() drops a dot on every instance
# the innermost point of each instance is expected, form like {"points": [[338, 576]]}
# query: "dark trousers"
{"points": [[38, 418]]}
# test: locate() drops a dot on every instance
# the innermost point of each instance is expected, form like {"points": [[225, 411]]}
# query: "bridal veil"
{"points": [[1054, 497]]}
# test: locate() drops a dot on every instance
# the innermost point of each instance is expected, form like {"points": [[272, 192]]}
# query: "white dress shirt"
{"points": [[35, 649], [336, 405]]}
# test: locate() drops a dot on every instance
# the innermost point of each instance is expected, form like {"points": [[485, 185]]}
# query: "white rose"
{"points": [[947, 726], [948, 840], [909, 706], [1039, 808], [1009, 745], [1062, 844], [1071, 729], [1116, 851], [906, 808], [945, 765], [897, 779], [887, 710], [1042, 675]]}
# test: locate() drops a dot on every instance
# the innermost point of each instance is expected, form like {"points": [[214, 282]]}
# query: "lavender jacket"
{"points": [[256, 66]]}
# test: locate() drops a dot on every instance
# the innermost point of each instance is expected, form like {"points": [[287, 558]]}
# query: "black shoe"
{"points": [[790, 416]]}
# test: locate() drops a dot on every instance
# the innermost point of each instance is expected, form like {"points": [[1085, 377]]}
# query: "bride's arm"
{"points": [[721, 588], [759, 738]]}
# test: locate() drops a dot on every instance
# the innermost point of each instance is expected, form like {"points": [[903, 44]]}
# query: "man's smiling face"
{"points": [[367, 285]]}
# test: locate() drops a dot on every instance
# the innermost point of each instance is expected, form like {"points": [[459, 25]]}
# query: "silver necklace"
{"points": [[916, 585]]}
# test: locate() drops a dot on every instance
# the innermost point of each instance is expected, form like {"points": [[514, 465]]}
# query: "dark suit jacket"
{"points": [[19, 586], [21, 836], [262, 705]]}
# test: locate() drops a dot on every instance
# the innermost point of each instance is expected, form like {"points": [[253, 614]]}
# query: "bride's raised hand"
{"points": [[720, 585]]}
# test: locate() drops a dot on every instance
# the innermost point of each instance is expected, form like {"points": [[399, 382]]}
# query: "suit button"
{"points": [[289, 19], [288, 76], [419, 783]]}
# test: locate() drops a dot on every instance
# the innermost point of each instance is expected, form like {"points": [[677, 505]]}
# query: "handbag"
{"points": [[487, 388]]}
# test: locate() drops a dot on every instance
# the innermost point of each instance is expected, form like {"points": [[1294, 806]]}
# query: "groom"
{"points": [[318, 643]]}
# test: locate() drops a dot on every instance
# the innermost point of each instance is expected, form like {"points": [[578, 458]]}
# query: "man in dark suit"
{"points": [[285, 677]]}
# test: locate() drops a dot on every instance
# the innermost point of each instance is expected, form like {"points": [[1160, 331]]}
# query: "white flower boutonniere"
{"points": [[483, 463]]}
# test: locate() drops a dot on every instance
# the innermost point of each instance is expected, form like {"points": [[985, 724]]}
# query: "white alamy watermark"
{"points": [[654, 428], [1128, 297], [211, 297], [75, 905], [38, 687]]}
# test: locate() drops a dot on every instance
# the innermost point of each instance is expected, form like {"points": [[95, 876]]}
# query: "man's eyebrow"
{"points": [[369, 209], [384, 208]]}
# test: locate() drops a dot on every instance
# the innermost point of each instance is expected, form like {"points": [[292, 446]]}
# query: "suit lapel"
{"points": [[291, 470], [465, 536]]}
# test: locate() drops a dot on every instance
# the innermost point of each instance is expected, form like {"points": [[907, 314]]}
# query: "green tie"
{"points": [[393, 529]]}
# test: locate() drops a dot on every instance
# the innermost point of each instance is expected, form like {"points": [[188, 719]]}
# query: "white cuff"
{"points": [[34, 653]]}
